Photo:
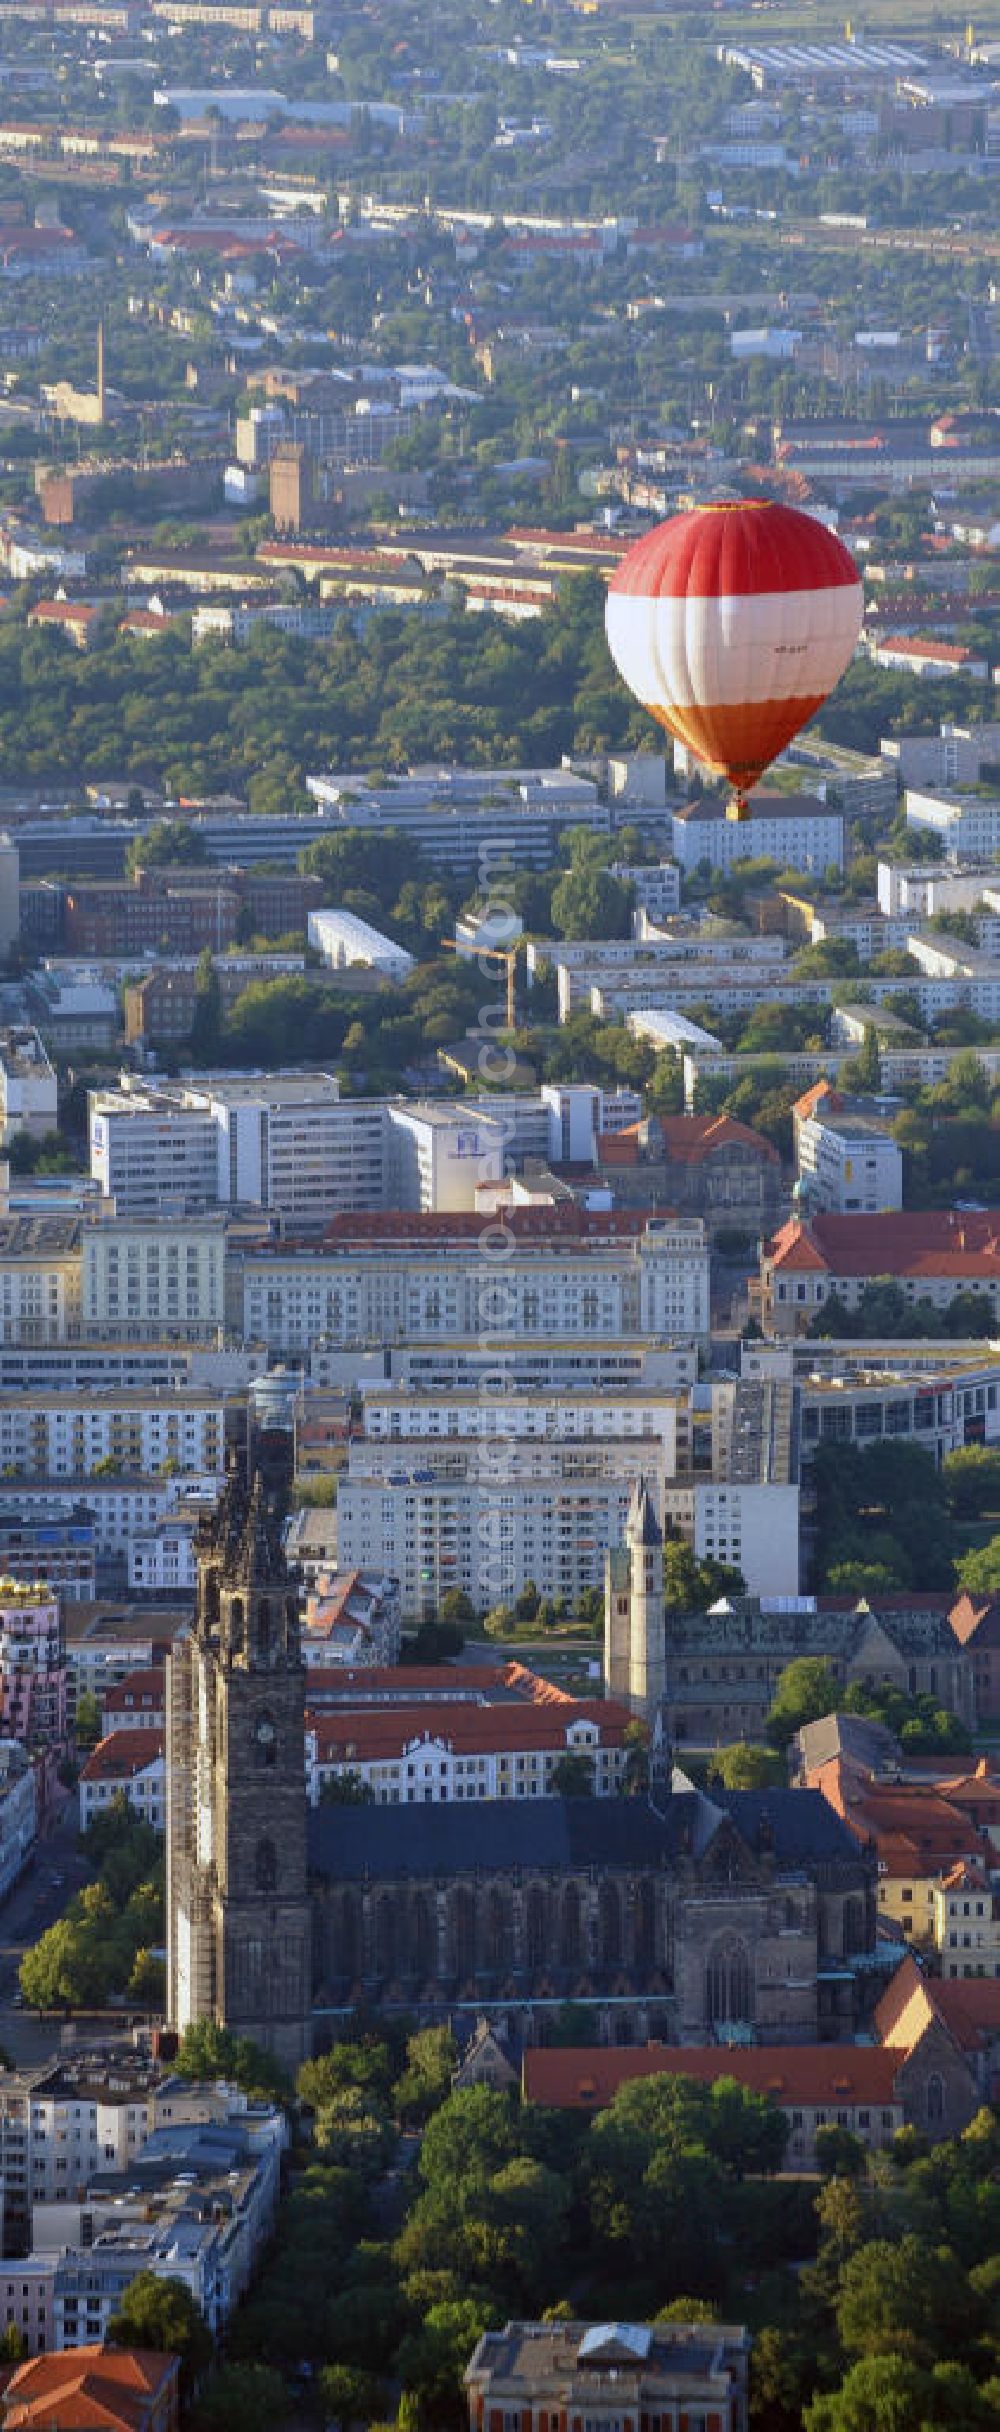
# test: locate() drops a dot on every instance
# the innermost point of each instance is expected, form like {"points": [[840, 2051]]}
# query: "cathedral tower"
{"points": [[635, 1652], [238, 1917]]}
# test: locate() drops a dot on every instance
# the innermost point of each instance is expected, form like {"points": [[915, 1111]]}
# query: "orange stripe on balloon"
{"points": [[737, 740]]}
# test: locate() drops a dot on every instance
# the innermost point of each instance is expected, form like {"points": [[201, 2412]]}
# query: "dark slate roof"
{"points": [[803, 1825], [346, 1843], [643, 1517]]}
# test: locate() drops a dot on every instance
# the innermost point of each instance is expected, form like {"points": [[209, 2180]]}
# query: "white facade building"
{"points": [[489, 1517], [63, 1436], [163, 1280], [161, 1558], [849, 1163], [968, 824], [440, 1154], [127, 1765], [387, 1291], [796, 830], [341, 939], [919, 889], [18, 1812], [28, 1090]]}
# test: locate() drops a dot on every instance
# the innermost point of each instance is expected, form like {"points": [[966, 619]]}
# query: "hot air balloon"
{"points": [[731, 624]]}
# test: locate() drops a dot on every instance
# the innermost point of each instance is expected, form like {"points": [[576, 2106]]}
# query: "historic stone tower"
{"points": [[238, 1916], [635, 1650]]}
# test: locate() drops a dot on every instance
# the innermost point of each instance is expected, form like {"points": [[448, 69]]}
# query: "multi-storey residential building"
{"points": [[968, 825], [488, 1517], [796, 830], [18, 1812], [40, 1270], [161, 1559], [570, 1273], [137, 1703], [53, 1436], [848, 1161], [153, 1153], [351, 1617], [49, 1541], [146, 1280], [28, 1095], [967, 1921], [128, 1765], [32, 1665]]}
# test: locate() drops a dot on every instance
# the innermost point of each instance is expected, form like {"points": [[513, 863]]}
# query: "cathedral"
{"points": [[675, 1915]]}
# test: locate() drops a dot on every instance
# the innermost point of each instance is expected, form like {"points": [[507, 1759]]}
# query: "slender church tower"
{"points": [[635, 1647], [238, 1916]]}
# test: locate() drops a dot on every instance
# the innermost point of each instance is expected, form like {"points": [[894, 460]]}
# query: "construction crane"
{"points": [[507, 955]]}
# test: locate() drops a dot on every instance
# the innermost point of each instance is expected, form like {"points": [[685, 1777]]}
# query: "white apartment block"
{"points": [[918, 889], [478, 820], [151, 1153], [398, 1415], [342, 939], [40, 1279], [753, 1526], [161, 1280], [18, 1812], [28, 1090], [655, 1283], [161, 1558], [62, 1436], [968, 824], [440, 1154], [489, 1517], [656, 885], [955, 757], [496, 1753], [798, 831], [849, 1163], [512, 1366]]}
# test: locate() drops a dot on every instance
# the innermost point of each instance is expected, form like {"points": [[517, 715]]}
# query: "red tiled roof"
{"points": [[122, 1755], [376, 1734], [954, 654], [822, 1093], [909, 1242], [148, 1686], [689, 1139], [588, 2078], [562, 1221], [87, 2387], [976, 1619]]}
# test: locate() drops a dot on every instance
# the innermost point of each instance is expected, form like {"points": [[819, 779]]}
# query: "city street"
{"points": [[57, 1870]]}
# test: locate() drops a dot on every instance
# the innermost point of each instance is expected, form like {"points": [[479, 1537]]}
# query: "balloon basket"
{"points": [[737, 807]]}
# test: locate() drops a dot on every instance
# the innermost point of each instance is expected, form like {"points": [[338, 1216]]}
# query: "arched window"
{"points": [[348, 1946], [609, 1925], [536, 1940], [463, 1933], [265, 1867], [854, 1926], [263, 1629], [237, 1619], [423, 1938], [210, 1598], [571, 1930], [385, 1935], [728, 1985], [495, 1932], [645, 1925], [935, 2100]]}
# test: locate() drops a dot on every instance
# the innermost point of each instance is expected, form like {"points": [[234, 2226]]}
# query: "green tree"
{"points": [[979, 1571], [241, 2398], [161, 2314], [745, 1767], [839, 2154], [972, 1479], [431, 2059], [805, 1690], [346, 1789], [572, 1775], [206, 1024], [350, 2395], [208, 2051], [88, 1719]]}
